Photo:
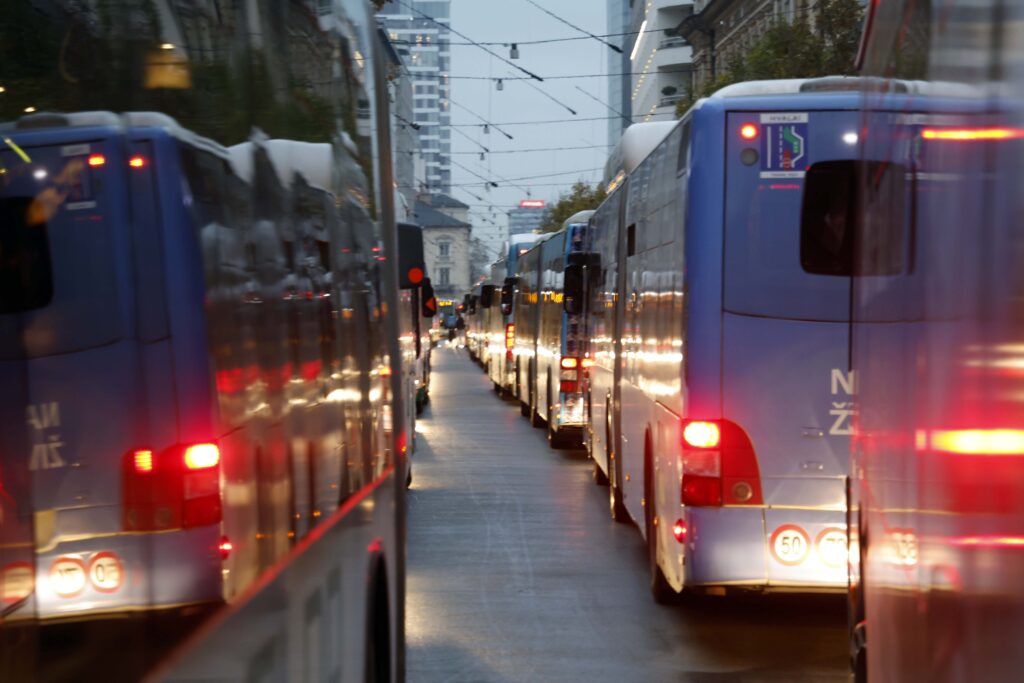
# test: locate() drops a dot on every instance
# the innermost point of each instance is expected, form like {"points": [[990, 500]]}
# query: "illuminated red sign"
{"points": [[532, 204]]}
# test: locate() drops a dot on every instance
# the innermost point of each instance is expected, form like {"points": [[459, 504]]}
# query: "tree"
{"points": [[581, 198], [795, 50]]}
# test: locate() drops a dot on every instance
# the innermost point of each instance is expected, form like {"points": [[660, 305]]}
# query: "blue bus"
{"points": [[937, 471], [502, 324], [172, 332], [551, 380], [719, 404]]}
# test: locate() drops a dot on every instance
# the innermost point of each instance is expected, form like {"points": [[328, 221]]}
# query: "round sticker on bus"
{"points": [[17, 582], [106, 573], [67, 576], [790, 545], [831, 547]]}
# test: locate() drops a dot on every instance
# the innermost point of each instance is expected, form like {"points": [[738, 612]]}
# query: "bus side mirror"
{"points": [[428, 305], [487, 296], [572, 300], [508, 291]]}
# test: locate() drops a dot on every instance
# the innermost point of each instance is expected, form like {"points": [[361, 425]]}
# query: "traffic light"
{"points": [[428, 302]]}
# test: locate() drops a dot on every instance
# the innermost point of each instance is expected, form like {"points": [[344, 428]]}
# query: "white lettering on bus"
{"points": [[842, 411], [46, 451]]}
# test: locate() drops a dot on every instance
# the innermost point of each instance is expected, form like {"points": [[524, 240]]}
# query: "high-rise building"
{"points": [[619, 79], [419, 31], [661, 61], [527, 218]]}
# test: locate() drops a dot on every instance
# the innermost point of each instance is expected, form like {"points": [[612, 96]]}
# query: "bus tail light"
{"points": [[225, 547], [719, 465], [176, 488], [510, 339], [568, 380]]}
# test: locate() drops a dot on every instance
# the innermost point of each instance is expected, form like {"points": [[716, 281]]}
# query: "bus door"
{"points": [[786, 379]]}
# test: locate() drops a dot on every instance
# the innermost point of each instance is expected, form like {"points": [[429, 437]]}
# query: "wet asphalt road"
{"points": [[517, 573]]}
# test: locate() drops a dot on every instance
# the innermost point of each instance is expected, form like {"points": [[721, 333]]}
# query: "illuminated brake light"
{"points": [[225, 547], [973, 441], [143, 461], [587, 362], [748, 131], [570, 363], [971, 134], [97, 160], [202, 456], [679, 531], [137, 162], [702, 435]]}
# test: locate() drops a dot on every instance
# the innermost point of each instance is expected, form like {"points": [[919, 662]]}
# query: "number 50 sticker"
{"points": [[790, 545], [106, 573]]}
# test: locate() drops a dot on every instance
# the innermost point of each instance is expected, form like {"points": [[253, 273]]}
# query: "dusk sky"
{"points": [[518, 21]]}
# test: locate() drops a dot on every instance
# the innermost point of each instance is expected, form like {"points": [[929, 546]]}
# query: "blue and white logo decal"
{"points": [[784, 145]]}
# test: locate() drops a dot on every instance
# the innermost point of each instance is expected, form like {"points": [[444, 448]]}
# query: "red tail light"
{"points": [[176, 488], [702, 435], [225, 547], [202, 456], [719, 465], [569, 378], [679, 531], [97, 160], [137, 162]]}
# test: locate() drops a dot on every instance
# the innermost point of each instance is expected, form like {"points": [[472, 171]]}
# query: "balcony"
{"points": [[673, 54], [670, 100], [674, 41]]}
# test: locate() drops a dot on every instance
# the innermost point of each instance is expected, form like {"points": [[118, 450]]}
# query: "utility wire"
{"points": [[476, 184], [571, 25], [534, 123], [468, 39], [489, 182], [486, 122], [470, 139], [541, 41], [425, 76], [605, 104], [510, 151], [553, 99]]}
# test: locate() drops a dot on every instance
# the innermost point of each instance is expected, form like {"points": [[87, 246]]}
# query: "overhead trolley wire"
{"points": [[571, 25], [470, 40]]}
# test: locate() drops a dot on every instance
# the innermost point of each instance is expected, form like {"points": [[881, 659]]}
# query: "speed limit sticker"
{"points": [[106, 573], [17, 582], [790, 545], [67, 576], [831, 547]]}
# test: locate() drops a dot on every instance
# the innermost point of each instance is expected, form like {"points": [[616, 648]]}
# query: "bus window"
{"points": [[829, 218], [26, 280], [57, 264]]}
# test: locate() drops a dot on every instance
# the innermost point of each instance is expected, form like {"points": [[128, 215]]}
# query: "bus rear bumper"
{"points": [[123, 574], [766, 549]]}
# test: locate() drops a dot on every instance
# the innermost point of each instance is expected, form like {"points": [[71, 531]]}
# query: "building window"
{"points": [[443, 278], [444, 249]]}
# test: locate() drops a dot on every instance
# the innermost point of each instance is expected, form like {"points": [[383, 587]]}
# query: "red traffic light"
{"points": [[415, 275]]}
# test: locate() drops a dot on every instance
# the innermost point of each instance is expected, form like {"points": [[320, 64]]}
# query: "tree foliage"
{"points": [[581, 198], [795, 50]]}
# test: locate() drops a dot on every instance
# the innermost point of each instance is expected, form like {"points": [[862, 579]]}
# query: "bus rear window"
{"points": [[830, 216], [59, 290], [26, 277]]}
